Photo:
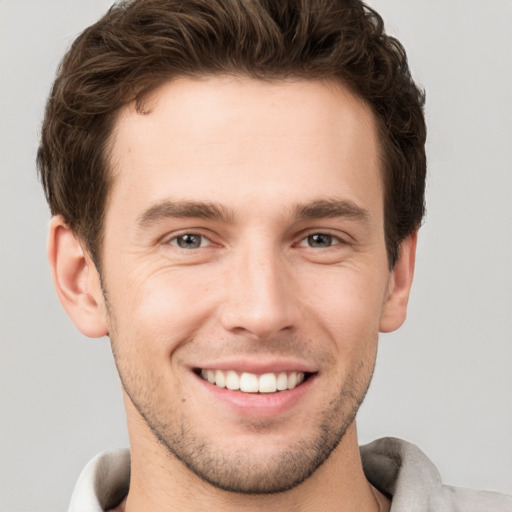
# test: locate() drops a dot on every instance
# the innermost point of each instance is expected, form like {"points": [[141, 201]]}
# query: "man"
{"points": [[236, 189]]}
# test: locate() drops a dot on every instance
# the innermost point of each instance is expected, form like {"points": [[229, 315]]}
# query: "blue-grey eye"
{"points": [[319, 240], [188, 241]]}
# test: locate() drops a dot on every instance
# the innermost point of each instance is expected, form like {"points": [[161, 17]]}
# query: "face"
{"points": [[245, 273]]}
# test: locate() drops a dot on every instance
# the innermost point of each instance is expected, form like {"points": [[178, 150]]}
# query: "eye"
{"points": [[189, 241], [319, 241]]}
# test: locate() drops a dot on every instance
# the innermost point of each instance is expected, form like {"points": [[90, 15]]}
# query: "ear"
{"points": [[76, 280], [399, 287]]}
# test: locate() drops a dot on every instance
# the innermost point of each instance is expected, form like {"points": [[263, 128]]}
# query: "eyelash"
{"points": [[332, 240], [174, 240]]}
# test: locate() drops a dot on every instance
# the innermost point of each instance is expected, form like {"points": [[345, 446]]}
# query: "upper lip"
{"points": [[258, 367]]}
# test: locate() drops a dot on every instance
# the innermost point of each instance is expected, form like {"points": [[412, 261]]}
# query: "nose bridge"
{"points": [[259, 296]]}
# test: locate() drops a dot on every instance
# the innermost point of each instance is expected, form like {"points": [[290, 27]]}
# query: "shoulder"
{"points": [[401, 470]]}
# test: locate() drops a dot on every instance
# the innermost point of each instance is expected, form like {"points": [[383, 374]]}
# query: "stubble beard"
{"points": [[240, 471]]}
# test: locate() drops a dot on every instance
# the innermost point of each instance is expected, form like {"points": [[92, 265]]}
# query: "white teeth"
{"points": [[249, 383], [268, 383], [282, 381], [232, 380], [210, 376], [220, 379], [292, 380], [252, 383]]}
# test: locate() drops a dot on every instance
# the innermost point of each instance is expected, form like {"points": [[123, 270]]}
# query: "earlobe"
{"points": [[395, 306], [76, 280]]}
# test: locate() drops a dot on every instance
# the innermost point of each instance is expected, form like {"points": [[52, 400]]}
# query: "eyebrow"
{"points": [[320, 209], [184, 209], [330, 208]]}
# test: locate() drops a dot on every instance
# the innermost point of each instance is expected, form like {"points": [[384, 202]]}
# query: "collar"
{"points": [[395, 467]]}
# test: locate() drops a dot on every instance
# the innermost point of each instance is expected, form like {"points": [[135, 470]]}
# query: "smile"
{"points": [[252, 383]]}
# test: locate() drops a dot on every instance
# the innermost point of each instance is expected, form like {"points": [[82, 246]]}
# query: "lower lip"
{"points": [[259, 404]]}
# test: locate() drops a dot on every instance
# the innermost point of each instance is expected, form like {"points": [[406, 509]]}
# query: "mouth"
{"points": [[246, 382]]}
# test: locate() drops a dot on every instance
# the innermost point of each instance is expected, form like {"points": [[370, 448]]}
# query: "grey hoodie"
{"points": [[398, 469]]}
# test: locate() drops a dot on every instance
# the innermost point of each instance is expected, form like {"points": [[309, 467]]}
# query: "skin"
{"points": [[281, 162]]}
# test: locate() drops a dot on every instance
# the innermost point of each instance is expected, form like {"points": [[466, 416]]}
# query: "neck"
{"points": [[159, 483]]}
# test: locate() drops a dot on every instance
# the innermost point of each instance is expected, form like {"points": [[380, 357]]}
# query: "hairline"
{"points": [[140, 100]]}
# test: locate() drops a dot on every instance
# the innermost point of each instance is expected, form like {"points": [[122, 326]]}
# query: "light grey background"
{"points": [[444, 381]]}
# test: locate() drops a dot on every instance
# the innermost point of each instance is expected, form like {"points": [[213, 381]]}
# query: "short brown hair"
{"points": [[139, 44]]}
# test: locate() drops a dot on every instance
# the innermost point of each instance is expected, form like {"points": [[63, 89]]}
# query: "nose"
{"points": [[260, 302]]}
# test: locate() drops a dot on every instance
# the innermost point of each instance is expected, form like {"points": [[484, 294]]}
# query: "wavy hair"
{"points": [[139, 44]]}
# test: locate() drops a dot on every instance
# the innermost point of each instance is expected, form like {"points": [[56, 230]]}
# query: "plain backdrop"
{"points": [[444, 381]]}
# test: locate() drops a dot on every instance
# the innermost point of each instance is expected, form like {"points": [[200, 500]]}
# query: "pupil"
{"points": [[189, 241], [320, 240]]}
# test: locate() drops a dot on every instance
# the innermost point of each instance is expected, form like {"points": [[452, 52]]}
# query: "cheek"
{"points": [[160, 309], [347, 303]]}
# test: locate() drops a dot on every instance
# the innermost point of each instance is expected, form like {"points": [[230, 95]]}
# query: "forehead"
{"points": [[232, 138]]}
